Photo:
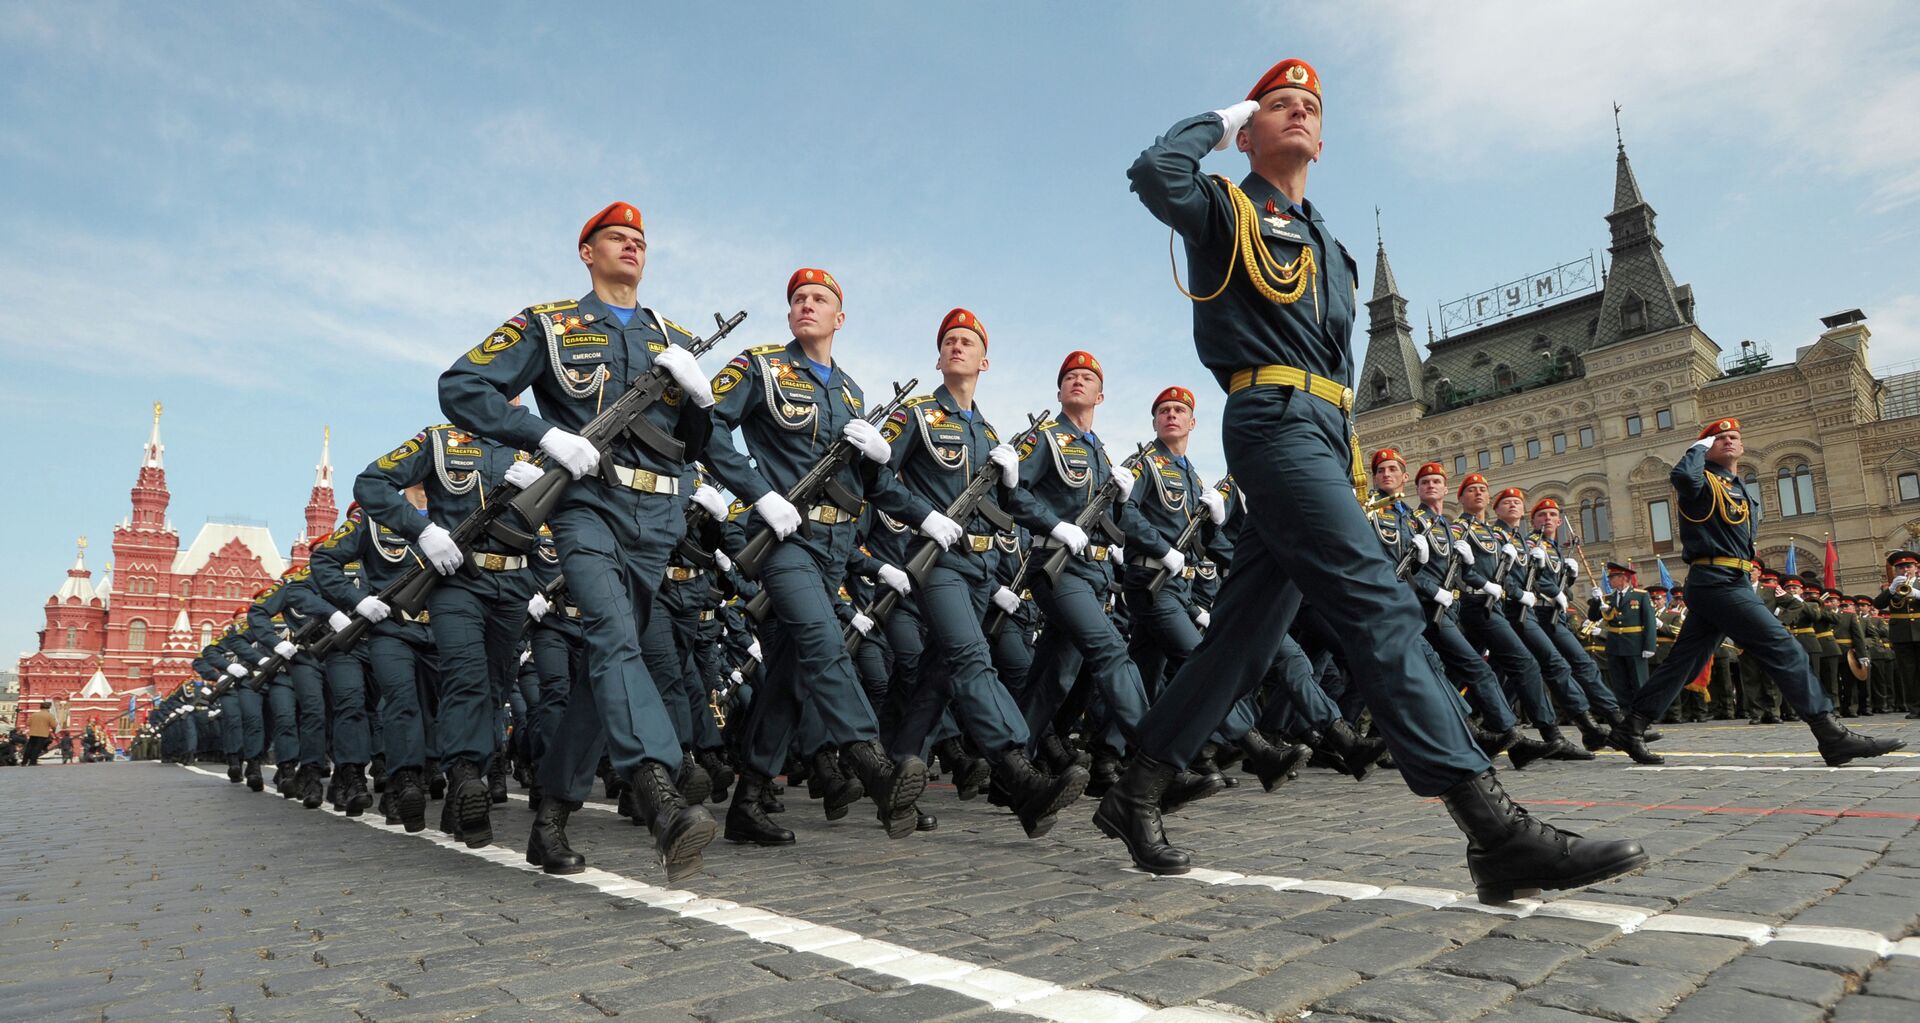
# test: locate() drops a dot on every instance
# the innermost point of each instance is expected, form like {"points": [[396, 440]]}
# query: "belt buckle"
{"points": [[1097, 553], [493, 562], [645, 479], [982, 544]]}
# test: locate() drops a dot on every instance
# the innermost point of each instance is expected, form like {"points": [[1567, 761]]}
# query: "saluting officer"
{"points": [[1276, 332], [614, 525], [1716, 534], [791, 403]]}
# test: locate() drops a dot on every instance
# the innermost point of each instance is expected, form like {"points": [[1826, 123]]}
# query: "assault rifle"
{"points": [[1094, 518], [1451, 577], [817, 483], [1187, 535]]}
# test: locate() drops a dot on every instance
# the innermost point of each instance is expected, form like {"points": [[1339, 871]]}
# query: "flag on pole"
{"points": [[1789, 570], [1606, 585], [1666, 579], [1832, 566]]}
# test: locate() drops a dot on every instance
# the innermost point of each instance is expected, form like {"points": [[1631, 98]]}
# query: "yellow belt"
{"points": [[681, 574], [1326, 389], [1737, 563], [1844, 642], [1625, 629], [1803, 632], [1910, 616], [1824, 635], [1663, 639]]}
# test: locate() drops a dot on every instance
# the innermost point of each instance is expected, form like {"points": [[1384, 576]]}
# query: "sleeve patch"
{"points": [[499, 341], [392, 459]]}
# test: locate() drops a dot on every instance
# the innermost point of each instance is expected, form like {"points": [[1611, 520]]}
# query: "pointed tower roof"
{"points": [[156, 451], [1640, 294], [1383, 282], [97, 688], [79, 580], [1391, 372], [105, 590], [1626, 188], [323, 473]]}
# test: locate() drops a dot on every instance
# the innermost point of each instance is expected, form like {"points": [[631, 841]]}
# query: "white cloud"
{"points": [[1895, 323]]}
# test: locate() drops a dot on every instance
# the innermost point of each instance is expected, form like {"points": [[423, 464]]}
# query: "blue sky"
{"points": [[276, 216]]}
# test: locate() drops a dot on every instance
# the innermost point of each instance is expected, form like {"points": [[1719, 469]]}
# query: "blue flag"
{"points": [[1665, 579], [1606, 586], [1791, 551]]}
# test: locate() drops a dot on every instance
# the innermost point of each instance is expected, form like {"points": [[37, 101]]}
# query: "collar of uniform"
{"points": [[1259, 189], [1073, 432], [798, 358], [944, 398]]}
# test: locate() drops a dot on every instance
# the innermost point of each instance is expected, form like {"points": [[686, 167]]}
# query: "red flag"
{"points": [[1702, 681], [1833, 563]]}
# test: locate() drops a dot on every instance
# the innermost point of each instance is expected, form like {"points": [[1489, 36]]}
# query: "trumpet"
{"points": [[1902, 586]]}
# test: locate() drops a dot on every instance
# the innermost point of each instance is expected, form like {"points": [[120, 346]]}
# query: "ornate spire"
{"points": [[1383, 283], [1641, 295], [155, 449], [323, 473], [1391, 372]]}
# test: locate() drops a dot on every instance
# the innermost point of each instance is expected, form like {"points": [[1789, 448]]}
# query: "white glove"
{"points": [[1008, 460], [862, 434], [862, 623], [735, 677], [1117, 553], [1070, 535], [525, 656], [1444, 598], [1539, 556], [1509, 550], [944, 531], [575, 453], [1704, 442], [779, 514], [1463, 549], [214, 713], [285, 649], [1006, 600], [339, 621], [537, 606], [1235, 118], [900, 582], [1560, 601], [685, 370], [1494, 590], [1864, 662], [522, 474], [1173, 560], [437, 544], [236, 670], [1217, 508], [1597, 594], [1527, 599], [373, 609], [262, 662], [1422, 550], [1646, 655], [722, 562], [711, 500], [1203, 619], [1572, 566], [753, 650], [1120, 465]]}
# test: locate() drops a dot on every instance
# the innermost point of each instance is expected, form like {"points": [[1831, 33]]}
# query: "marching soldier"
{"points": [[1528, 562], [298, 693], [613, 527], [1851, 637], [792, 403], [1557, 573], [1277, 339], [1716, 534]]}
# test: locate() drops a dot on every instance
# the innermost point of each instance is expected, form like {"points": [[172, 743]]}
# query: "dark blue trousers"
{"points": [[1593, 690], [953, 603], [1722, 605], [347, 691], [1509, 657], [477, 620], [1466, 669], [1077, 619], [1292, 453], [402, 657]]}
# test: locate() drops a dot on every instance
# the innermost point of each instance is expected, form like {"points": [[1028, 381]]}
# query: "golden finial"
{"points": [[157, 408], [83, 543]]}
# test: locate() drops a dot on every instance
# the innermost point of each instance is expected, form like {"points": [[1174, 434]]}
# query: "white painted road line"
{"points": [[1002, 989]]}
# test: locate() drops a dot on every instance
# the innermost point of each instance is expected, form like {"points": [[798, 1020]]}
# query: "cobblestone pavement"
{"points": [[1780, 890]]}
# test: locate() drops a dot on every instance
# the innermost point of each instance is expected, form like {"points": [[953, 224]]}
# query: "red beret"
{"points": [[1386, 455], [1543, 504], [1179, 394], [1079, 360], [810, 275], [1292, 73], [615, 213], [1720, 426], [1469, 480], [961, 318], [1510, 492], [1430, 469]]}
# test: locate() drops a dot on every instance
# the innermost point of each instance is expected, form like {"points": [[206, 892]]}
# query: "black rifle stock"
{"points": [[1451, 576], [1161, 574], [818, 482], [1094, 518]]}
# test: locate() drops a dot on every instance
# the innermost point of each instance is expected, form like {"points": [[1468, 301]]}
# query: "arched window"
{"points": [[73, 638], [206, 633], [1633, 315], [1380, 388], [1596, 523], [1794, 485], [1756, 506], [136, 635], [1502, 377], [1482, 359], [186, 588]]}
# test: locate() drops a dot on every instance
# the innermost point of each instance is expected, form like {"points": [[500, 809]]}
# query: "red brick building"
{"points": [[137, 632]]}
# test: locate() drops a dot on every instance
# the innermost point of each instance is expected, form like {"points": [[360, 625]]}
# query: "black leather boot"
{"points": [[893, 789], [923, 821], [1191, 786], [409, 791], [235, 768], [1130, 812], [719, 771], [1558, 747], [435, 778], [354, 797], [547, 847], [254, 779], [1510, 853], [286, 777], [836, 791], [694, 783], [970, 773], [680, 831], [314, 792], [1105, 772], [1056, 756], [534, 794], [472, 806], [377, 772], [497, 778], [1523, 749], [388, 815], [1840, 744], [770, 799], [1629, 737], [628, 806], [1037, 798], [1349, 753], [1273, 765], [747, 819]]}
